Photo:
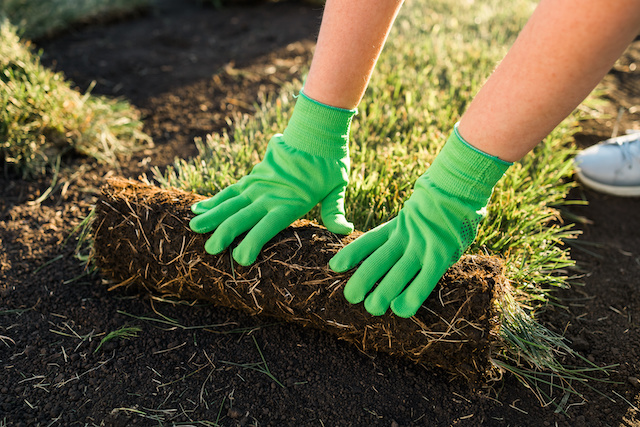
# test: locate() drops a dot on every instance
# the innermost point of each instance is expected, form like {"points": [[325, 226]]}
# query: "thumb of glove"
{"points": [[333, 213]]}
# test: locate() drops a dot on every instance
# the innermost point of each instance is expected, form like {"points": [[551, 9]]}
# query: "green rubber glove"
{"points": [[306, 165], [411, 252]]}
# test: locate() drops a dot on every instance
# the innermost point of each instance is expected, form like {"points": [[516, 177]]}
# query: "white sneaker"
{"points": [[612, 166]]}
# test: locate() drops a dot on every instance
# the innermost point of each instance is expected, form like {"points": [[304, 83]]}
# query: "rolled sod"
{"points": [[143, 240]]}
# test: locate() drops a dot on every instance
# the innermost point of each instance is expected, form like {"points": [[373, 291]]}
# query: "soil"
{"points": [[195, 364]]}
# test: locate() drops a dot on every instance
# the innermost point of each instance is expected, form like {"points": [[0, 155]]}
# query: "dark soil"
{"points": [[194, 363]]}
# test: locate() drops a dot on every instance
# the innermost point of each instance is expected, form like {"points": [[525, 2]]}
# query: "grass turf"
{"points": [[42, 117]]}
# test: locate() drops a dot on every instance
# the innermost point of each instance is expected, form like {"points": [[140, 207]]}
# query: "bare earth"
{"points": [[183, 365]]}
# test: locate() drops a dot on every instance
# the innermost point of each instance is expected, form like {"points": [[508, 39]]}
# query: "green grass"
{"points": [[261, 366], [42, 117], [438, 55], [124, 333], [42, 18]]}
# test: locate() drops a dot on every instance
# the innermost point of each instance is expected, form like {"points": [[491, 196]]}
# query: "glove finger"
{"points": [[219, 198], [212, 218], [232, 227], [271, 224], [371, 270], [360, 248], [409, 301], [378, 301], [333, 214]]}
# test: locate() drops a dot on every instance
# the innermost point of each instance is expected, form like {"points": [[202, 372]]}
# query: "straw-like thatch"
{"points": [[142, 239]]}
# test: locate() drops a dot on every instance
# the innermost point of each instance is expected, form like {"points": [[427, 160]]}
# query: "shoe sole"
{"points": [[621, 191]]}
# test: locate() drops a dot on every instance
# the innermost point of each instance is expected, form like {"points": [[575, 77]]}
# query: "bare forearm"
{"points": [[351, 38], [560, 56]]}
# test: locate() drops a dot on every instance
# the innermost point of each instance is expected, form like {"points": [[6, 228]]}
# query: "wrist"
{"points": [[466, 172], [319, 129]]}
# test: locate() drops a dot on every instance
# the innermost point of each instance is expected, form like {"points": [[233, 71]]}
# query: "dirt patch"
{"points": [[163, 62], [194, 362]]}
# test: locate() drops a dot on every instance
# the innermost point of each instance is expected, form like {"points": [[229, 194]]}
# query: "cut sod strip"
{"points": [[457, 329]]}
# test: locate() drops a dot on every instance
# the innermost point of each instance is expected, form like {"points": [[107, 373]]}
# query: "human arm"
{"points": [[308, 163], [562, 53], [351, 38]]}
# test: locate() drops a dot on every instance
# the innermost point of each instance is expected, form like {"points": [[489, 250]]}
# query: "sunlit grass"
{"points": [[43, 118]]}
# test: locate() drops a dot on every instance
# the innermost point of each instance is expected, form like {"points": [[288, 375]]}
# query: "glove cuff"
{"points": [[319, 129], [466, 172]]}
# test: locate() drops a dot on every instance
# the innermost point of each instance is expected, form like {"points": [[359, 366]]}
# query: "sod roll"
{"points": [[143, 240]]}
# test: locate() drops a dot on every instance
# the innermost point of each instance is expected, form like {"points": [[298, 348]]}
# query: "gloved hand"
{"points": [[411, 252], [306, 165]]}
